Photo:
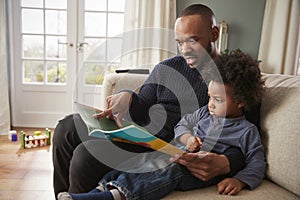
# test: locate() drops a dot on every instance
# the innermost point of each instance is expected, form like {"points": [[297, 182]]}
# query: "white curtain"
{"points": [[280, 37], [148, 32], [4, 100]]}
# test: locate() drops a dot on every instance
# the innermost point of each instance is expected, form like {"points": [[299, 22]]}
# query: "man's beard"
{"points": [[206, 58]]}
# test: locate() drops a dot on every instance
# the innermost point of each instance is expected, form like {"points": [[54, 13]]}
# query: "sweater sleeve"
{"points": [[142, 101], [254, 171], [188, 123]]}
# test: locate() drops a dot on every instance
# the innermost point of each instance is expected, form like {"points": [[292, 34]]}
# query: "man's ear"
{"points": [[240, 105], [215, 33]]}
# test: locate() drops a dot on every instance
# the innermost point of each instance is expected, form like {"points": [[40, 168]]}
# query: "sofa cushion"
{"points": [[280, 115], [267, 190], [113, 83]]}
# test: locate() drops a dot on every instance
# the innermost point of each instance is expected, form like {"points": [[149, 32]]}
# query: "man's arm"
{"points": [[118, 105], [207, 165]]}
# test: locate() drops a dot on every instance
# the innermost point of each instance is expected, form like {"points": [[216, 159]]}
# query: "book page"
{"points": [[87, 114]]}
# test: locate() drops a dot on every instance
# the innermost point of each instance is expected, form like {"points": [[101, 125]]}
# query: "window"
{"points": [[44, 33], [103, 27]]}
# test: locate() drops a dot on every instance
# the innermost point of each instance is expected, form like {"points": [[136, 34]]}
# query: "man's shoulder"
{"points": [[173, 64], [174, 61]]}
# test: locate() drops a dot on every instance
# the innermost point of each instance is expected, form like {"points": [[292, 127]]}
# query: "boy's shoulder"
{"points": [[241, 124], [249, 129]]}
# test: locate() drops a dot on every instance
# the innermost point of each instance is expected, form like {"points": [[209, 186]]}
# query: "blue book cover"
{"points": [[106, 128]]}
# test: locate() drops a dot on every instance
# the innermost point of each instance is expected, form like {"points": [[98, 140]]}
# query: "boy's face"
{"points": [[194, 37], [221, 102]]}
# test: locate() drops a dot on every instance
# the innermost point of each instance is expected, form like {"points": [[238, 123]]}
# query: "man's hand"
{"points": [[230, 186], [117, 105], [204, 165]]}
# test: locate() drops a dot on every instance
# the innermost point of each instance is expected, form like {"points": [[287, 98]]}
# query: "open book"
{"points": [[106, 128]]}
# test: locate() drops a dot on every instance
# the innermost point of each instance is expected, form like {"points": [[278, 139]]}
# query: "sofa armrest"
{"points": [[115, 82]]}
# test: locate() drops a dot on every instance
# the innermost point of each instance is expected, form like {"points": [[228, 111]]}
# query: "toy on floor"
{"points": [[36, 140]]}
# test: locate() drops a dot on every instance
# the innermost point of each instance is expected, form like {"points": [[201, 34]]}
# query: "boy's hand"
{"points": [[193, 144], [230, 186]]}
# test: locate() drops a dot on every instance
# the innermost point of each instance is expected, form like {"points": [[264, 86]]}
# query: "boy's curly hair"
{"points": [[241, 72]]}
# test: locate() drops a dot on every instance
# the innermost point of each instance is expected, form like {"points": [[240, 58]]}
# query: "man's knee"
{"points": [[97, 152], [63, 126], [71, 128]]}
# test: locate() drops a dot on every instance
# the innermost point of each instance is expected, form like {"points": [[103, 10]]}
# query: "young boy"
{"points": [[234, 85]]}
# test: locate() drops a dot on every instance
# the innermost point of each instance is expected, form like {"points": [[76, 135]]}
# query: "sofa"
{"points": [[280, 133]]}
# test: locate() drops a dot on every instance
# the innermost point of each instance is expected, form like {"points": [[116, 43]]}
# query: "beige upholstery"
{"points": [[280, 115], [116, 82], [266, 191]]}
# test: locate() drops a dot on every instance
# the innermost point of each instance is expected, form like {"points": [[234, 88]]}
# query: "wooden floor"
{"points": [[25, 173]]}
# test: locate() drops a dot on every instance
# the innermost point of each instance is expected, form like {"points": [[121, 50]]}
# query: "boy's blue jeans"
{"points": [[92, 195], [152, 177], [155, 184]]}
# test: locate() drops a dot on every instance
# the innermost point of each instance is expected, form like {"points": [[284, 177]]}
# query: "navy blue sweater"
{"points": [[172, 90]]}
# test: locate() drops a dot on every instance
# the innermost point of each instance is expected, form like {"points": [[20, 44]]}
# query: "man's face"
{"points": [[221, 102], [194, 38]]}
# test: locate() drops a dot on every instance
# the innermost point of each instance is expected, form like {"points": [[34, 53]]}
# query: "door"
{"points": [[99, 49], [54, 56]]}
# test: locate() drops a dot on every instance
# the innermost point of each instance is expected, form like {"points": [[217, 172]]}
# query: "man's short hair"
{"points": [[199, 9]]}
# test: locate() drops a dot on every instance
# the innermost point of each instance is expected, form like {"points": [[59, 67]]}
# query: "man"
{"points": [[172, 90]]}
